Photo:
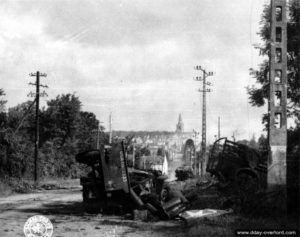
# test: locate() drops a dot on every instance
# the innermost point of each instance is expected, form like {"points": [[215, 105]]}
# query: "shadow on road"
{"points": [[65, 208]]}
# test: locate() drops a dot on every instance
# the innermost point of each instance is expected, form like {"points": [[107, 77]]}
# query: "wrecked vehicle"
{"points": [[113, 187], [184, 172], [232, 162]]}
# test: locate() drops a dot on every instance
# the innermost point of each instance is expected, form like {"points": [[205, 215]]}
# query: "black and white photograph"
{"points": [[149, 118]]}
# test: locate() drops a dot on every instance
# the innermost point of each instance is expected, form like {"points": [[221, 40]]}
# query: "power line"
{"points": [[24, 117]]}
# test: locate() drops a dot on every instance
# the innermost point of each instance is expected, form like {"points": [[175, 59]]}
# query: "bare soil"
{"points": [[63, 206], [65, 209]]}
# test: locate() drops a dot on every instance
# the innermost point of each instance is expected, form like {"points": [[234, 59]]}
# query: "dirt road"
{"points": [[65, 210]]}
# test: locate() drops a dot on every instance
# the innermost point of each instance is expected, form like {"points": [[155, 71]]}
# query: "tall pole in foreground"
{"points": [[37, 101], [278, 100], [204, 90]]}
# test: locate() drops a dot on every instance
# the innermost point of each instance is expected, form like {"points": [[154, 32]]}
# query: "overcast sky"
{"points": [[135, 58]]}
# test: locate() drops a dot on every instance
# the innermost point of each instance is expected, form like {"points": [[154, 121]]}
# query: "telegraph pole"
{"points": [[37, 95], [98, 137], [110, 128], [133, 154], [204, 90], [98, 130]]}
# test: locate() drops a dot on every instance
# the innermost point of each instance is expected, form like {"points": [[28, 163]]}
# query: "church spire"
{"points": [[180, 125], [179, 119]]}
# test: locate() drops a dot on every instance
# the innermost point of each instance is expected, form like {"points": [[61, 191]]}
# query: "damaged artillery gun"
{"points": [[112, 186], [234, 163]]}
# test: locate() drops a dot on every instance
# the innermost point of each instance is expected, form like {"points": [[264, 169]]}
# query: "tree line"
{"points": [[65, 130]]}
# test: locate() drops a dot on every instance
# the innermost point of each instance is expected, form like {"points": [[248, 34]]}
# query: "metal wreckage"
{"points": [[232, 163], [235, 163], [113, 187]]}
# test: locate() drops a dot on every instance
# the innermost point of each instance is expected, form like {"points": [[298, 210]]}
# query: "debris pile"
{"points": [[236, 173], [238, 164], [112, 186]]}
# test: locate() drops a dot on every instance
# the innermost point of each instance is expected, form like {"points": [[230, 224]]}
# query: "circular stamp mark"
{"points": [[38, 226]]}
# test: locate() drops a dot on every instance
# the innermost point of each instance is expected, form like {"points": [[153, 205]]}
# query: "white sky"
{"points": [[135, 59]]}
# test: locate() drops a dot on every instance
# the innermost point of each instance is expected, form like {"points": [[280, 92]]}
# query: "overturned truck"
{"points": [[234, 163], [111, 186]]}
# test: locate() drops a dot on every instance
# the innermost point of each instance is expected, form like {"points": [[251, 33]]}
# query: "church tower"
{"points": [[180, 125]]}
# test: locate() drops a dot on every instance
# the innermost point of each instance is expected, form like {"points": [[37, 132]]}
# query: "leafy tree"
{"points": [[2, 102], [87, 128], [259, 95], [3, 120], [17, 141], [60, 118], [64, 131], [262, 143], [21, 119], [3, 115]]}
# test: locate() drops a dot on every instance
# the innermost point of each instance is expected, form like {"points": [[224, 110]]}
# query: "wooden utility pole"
{"points": [[110, 128], [37, 103], [133, 154], [204, 90], [98, 138], [97, 131]]}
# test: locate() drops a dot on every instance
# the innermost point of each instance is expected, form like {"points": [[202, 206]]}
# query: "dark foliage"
{"points": [[64, 131], [259, 95]]}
